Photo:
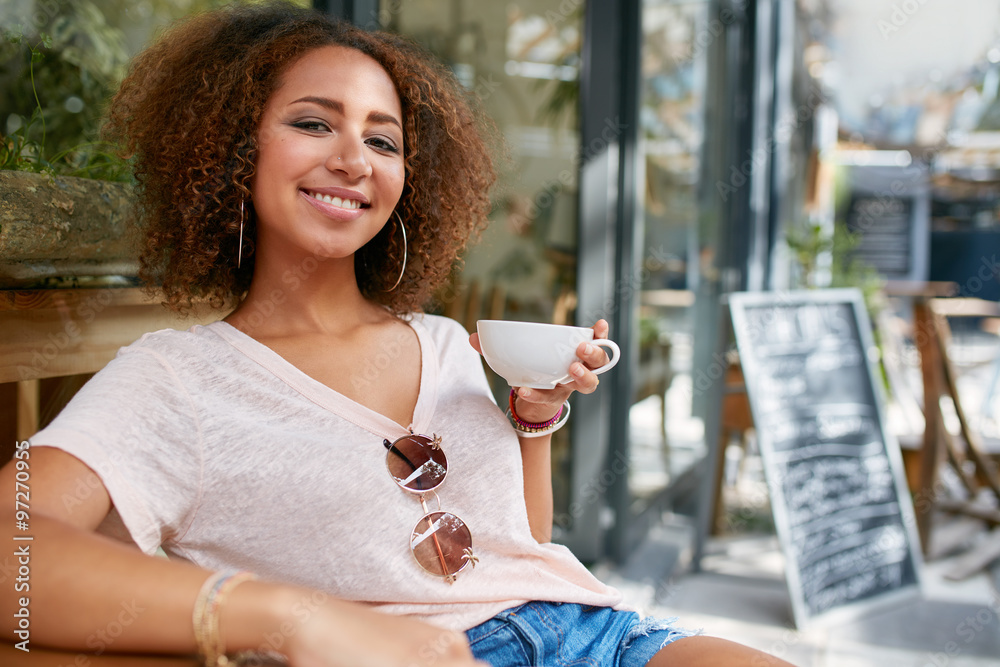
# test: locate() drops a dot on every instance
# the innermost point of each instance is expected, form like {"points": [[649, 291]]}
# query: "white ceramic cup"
{"points": [[531, 354]]}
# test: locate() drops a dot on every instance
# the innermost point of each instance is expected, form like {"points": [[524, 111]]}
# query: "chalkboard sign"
{"points": [[884, 225], [841, 508], [888, 212]]}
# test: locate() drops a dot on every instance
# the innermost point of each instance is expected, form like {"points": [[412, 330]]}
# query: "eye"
{"points": [[383, 144], [311, 125]]}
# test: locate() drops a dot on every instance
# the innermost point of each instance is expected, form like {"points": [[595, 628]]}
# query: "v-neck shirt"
{"points": [[338, 403], [217, 449]]}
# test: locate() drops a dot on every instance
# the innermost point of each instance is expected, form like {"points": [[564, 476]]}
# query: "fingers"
{"points": [[601, 329], [474, 341], [592, 356], [585, 381]]}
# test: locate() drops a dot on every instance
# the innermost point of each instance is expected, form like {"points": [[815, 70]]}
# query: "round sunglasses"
{"points": [[440, 542]]}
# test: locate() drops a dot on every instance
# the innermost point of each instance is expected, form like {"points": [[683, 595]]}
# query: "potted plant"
{"points": [[65, 198]]}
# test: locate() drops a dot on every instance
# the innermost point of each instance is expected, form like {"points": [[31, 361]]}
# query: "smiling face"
{"points": [[330, 160]]}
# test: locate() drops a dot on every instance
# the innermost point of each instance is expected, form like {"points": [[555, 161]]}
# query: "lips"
{"points": [[339, 197], [339, 202], [336, 203]]}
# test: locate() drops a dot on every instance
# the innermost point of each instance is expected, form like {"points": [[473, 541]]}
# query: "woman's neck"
{"points": [[314, 296]]}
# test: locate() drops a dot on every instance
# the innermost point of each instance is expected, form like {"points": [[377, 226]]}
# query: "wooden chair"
{"points": [[736, 418], [971, 464]]}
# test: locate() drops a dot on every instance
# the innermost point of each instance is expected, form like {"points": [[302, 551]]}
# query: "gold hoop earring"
{"points": [[402, 269], [239, 256]]}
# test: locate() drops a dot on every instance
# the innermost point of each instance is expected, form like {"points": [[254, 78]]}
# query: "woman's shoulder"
{"points": [[445, 331], [158, 371], [197, 342], [449, 337]]}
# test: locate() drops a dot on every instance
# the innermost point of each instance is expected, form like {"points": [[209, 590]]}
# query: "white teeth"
{"points": [[336, 201]]}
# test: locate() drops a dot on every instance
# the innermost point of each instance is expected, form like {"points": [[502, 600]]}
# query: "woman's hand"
{"points": [[322, 631], [540, 405]]}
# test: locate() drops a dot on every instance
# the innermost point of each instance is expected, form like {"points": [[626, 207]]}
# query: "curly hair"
{"points": [[188, 113]]}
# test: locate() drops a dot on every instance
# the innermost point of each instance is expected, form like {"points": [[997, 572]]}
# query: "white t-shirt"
{"points": [[214, 447]]}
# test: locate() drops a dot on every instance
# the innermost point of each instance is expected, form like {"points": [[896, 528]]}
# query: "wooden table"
{"points": [[42, 657]]}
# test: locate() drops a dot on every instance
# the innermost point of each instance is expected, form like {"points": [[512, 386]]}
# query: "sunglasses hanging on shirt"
{"points": [[440, 542]]}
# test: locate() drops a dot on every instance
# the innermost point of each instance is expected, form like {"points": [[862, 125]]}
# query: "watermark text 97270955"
{"points": [[22, 543]]}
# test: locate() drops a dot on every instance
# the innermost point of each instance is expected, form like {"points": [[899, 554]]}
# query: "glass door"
{"points": [[675, 256]]}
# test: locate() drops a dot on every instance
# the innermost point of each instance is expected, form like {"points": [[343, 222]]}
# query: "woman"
{"points": [[322, 179]]}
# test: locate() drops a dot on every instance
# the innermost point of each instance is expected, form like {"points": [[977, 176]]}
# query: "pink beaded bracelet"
{"points": [[529, 426]]}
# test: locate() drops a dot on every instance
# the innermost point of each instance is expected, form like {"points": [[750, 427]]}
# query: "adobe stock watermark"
{"points": [[593, 490], [384, 360], [778, 649], [899, 15], [379, 19], [656, 259], [86, 485], [382, 18], [42, 14], [545, 196], [101, 640], [268, 651], [708, 32], [752, 504], [984, 620], [705, 378], [876, 206], [666, 590], [292, 280], [988, 271], [559, 15], [926, 498], [740, 175], [58, 342]]}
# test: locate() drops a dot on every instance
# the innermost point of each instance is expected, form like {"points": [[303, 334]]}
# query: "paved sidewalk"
{"points": [[741, 595]]}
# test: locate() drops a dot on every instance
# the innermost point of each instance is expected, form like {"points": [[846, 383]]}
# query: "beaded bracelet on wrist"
{"points": [[536, 430], [529, 425], [205, 617]]}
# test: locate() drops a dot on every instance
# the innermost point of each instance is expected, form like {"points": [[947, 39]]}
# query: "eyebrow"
{"points": [[334, 105]]}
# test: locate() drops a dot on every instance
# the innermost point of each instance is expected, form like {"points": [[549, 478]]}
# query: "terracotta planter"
{"points": [[58, 231]]}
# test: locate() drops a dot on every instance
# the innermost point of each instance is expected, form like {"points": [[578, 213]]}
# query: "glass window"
{"points": [[522, 61], [666, 435]]}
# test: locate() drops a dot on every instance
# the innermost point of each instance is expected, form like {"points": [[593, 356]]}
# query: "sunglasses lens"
{"points": [[416, 463], [441, 543]]}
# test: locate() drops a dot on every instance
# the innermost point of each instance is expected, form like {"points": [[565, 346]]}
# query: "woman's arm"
{"points": [[68, 562], [538, 406], [536, 461], [88, 593]]}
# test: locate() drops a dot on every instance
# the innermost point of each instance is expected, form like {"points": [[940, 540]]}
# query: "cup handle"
{"points": [[613, 346]]}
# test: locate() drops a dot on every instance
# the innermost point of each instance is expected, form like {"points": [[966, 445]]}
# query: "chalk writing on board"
{"points": [[835, 489], [884, 225]]}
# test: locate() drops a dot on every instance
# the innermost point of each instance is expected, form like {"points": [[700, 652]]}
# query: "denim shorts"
{"points": [[553, 634]]}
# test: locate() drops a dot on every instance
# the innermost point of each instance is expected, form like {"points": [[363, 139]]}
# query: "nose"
{"points": [[350, 157]]}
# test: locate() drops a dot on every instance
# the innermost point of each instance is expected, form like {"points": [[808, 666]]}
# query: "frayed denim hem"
{"points": [[649, 625], [554, 634]]}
